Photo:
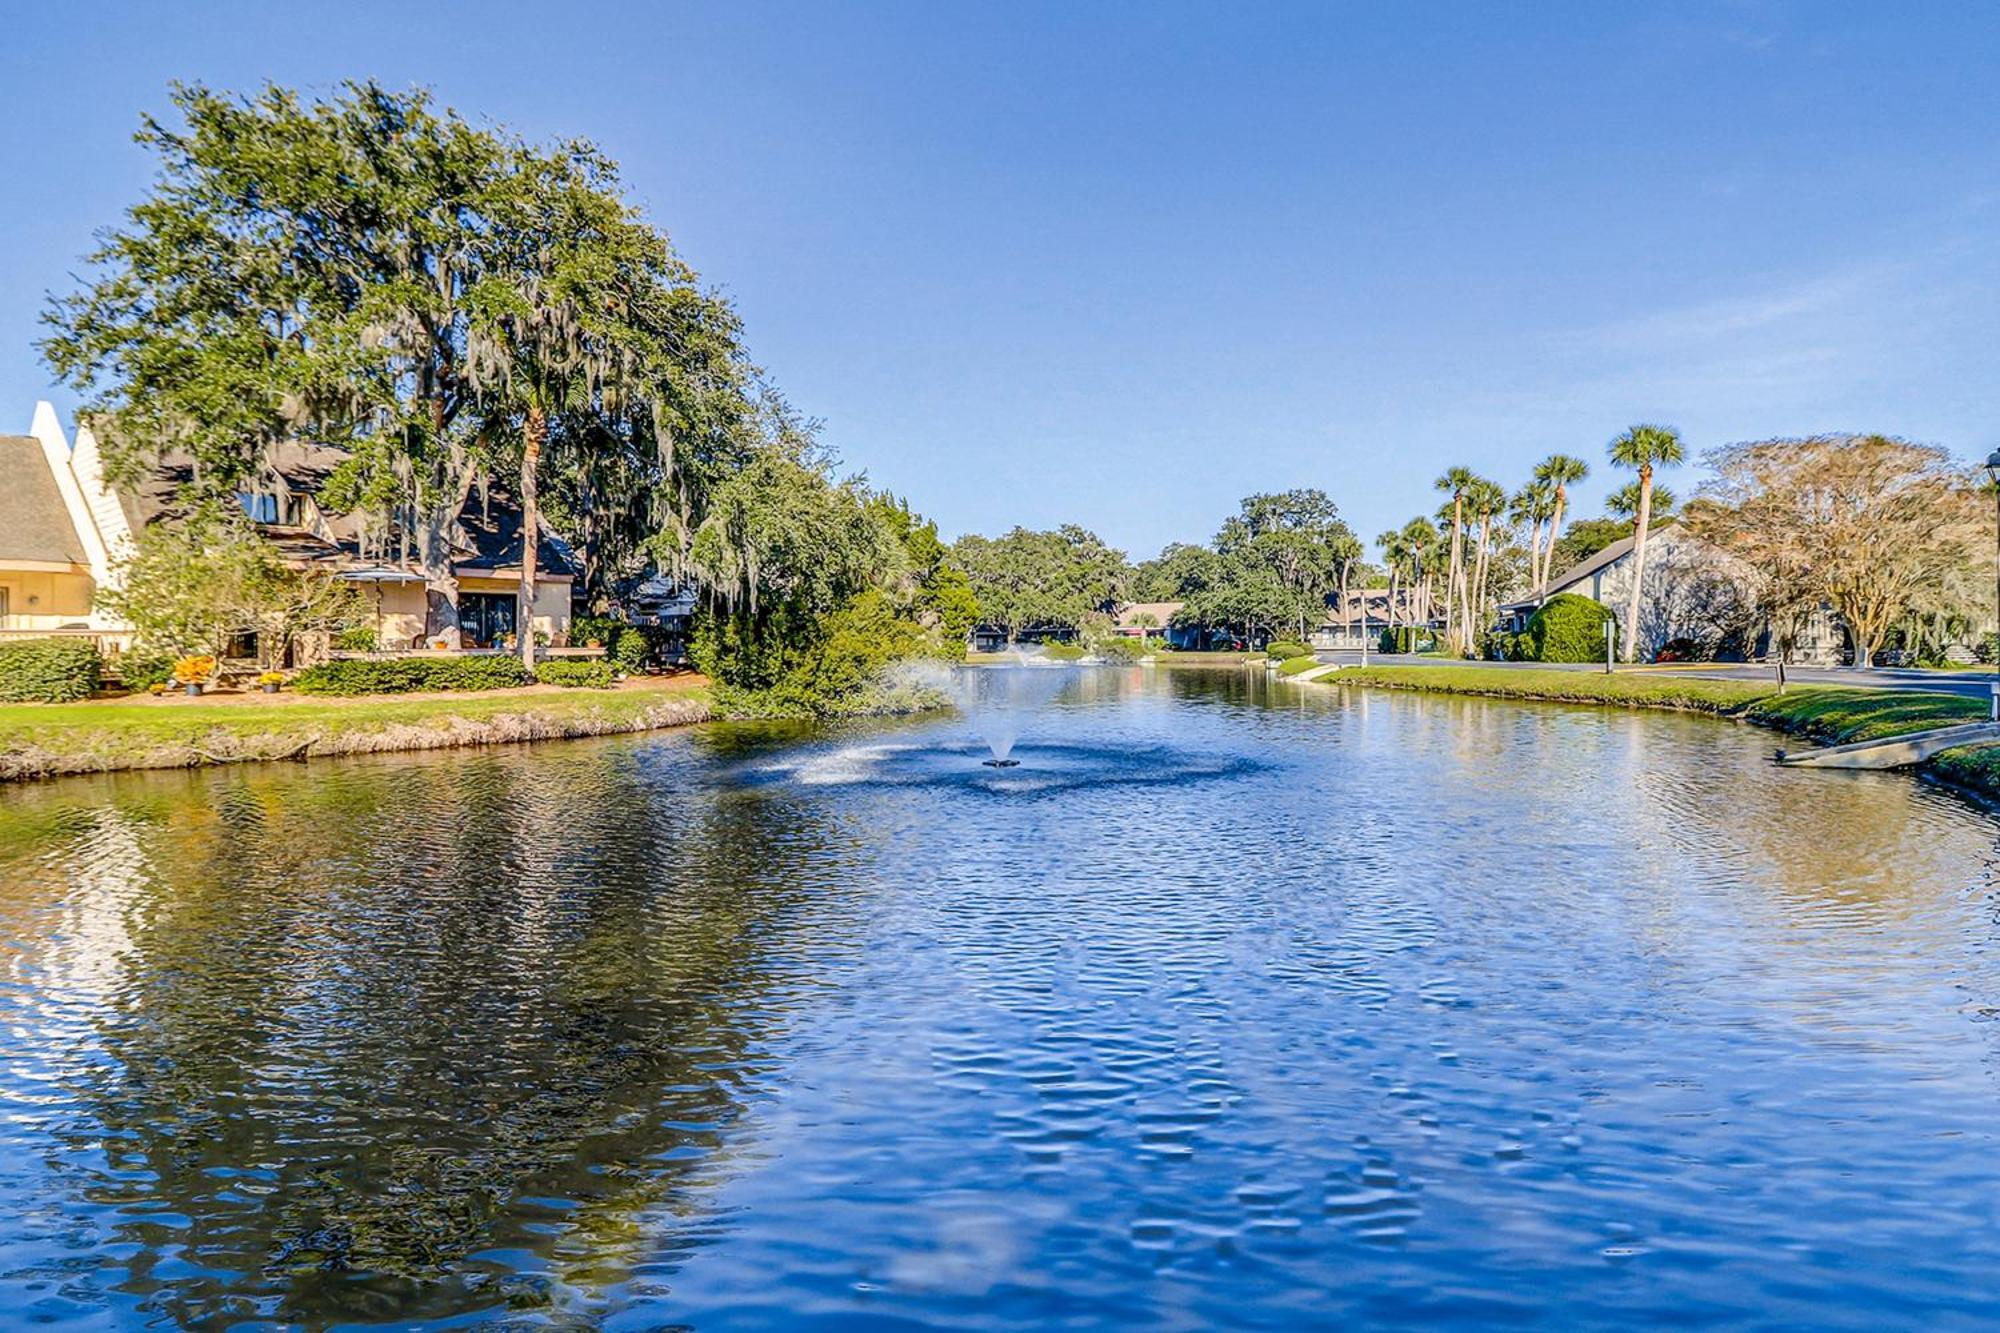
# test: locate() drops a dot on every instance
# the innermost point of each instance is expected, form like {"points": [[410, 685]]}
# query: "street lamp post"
{"points": [[1993, 479]]}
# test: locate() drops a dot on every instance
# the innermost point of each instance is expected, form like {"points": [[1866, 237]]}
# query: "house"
{"points": [[1364, 613], [1693, 591], [1153, 621], [74, 526], [60, 531]]}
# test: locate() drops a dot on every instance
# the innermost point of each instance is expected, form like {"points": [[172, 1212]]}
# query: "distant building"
{"points": [[1154, 621], [1364, 612]]}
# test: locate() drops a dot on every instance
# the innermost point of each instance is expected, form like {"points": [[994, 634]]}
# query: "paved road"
{"points": [[1978, 684]]}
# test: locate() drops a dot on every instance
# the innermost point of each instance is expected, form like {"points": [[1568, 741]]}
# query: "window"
{"points": [[6, 601], [261, 508]]}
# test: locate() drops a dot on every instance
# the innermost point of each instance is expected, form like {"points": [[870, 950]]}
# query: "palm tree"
{"points": [[1643, 448], [1396, 555], [1484, 499], [1559, 472], [1531, 507], [1420, 537], [1456, 482], [1624, 501]]}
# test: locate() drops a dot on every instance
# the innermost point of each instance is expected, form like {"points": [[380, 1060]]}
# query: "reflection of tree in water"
{"points": [[386, 1037]]}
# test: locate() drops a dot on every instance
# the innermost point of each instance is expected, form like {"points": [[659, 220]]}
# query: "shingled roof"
{"points": [[34, 522]]}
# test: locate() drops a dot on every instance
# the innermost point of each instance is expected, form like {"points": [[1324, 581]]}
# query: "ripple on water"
{"points": [[1234, 1005]]}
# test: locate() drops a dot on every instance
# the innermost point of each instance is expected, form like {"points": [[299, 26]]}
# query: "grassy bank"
{"points": [[1827, 715], [1725, 697], [50, 740]]}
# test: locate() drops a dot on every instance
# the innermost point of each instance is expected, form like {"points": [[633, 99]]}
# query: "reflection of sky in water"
{"points": [[1238, 1003]]}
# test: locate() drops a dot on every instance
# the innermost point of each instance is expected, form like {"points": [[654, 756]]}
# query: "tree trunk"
{"points": [[1453, 580], [534, 434], [1549, 556], [1638, 563]]}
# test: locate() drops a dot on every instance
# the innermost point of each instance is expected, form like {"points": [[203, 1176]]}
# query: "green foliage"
{"points": [[1063, 652], [1283, 650], [380, 274], [586, 672], [846, 669], [1567, 628], [1404, 639], [626, 646], [139, 670], [1113, 648], [48, 671], [1293, 666], [405, 675], [1035, 581], [356, 639], [189, 588]]}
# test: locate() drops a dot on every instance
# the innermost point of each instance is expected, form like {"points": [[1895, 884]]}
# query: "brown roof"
{"points": [[34, 521], [1161, 612]]}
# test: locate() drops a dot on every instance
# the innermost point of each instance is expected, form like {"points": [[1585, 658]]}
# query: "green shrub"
{"points": [[1120, 650], [573, 672], [625, 646], [405, 675], [49, 671], [1292, 666], [140, 669], [1284, 650], [1405, 639], [1062, 652], [1567, 628], [356, 639]]}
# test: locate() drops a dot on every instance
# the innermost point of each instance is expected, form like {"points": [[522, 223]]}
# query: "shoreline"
{"points": [[1825, 714], [44, 741]]}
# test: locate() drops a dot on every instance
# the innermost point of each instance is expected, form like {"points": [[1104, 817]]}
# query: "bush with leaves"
{"points": [[405, 675], [191, 587], [357, 639], [575, 672], [1567, 628], [139, 670], [1284, 650], [48, 671]]}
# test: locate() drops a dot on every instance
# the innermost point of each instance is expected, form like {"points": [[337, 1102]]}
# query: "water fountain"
{"points": [[998, 700]]}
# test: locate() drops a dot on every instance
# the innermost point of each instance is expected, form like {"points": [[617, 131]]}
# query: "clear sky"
{"points": [[1122, 264]]}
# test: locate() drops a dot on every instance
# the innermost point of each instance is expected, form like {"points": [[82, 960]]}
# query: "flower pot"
{"points": [[271, 689], [193, 690]]}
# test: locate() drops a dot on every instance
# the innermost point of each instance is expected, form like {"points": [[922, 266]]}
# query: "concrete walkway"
{"points": [[1912, 747]]}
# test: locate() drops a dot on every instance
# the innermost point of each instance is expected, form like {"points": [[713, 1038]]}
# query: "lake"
{"points": [[1239, 1003]]}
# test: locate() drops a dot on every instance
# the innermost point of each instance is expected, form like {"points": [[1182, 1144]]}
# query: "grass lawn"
{"points": [[1585, 687], [99, 735], [1829, 715]]}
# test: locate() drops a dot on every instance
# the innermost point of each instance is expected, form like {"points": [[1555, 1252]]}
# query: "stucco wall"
{"points": [[38, 600], [551, 611]]}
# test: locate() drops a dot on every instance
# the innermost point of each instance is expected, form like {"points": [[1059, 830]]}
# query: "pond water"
{"points": [[1237, 1004]]}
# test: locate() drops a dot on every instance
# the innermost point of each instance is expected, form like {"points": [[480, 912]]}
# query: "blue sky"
{"points": [[1122, 264]]}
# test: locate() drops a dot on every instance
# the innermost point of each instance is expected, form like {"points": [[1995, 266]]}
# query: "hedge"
{"points": [[406, 675], [1284, 650], [588, 672], [1567, 628], [49, 671], [139, 670]]}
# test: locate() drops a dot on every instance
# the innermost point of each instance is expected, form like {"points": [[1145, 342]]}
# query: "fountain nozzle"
{"points": [[1001, 763]]}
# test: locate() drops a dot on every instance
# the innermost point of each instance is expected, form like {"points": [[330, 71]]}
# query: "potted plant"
{"points": [[157, 688], [191, 672], [271, 680]]}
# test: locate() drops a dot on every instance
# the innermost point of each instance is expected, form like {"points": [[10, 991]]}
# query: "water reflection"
{"points": [[1255, 1005]]}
